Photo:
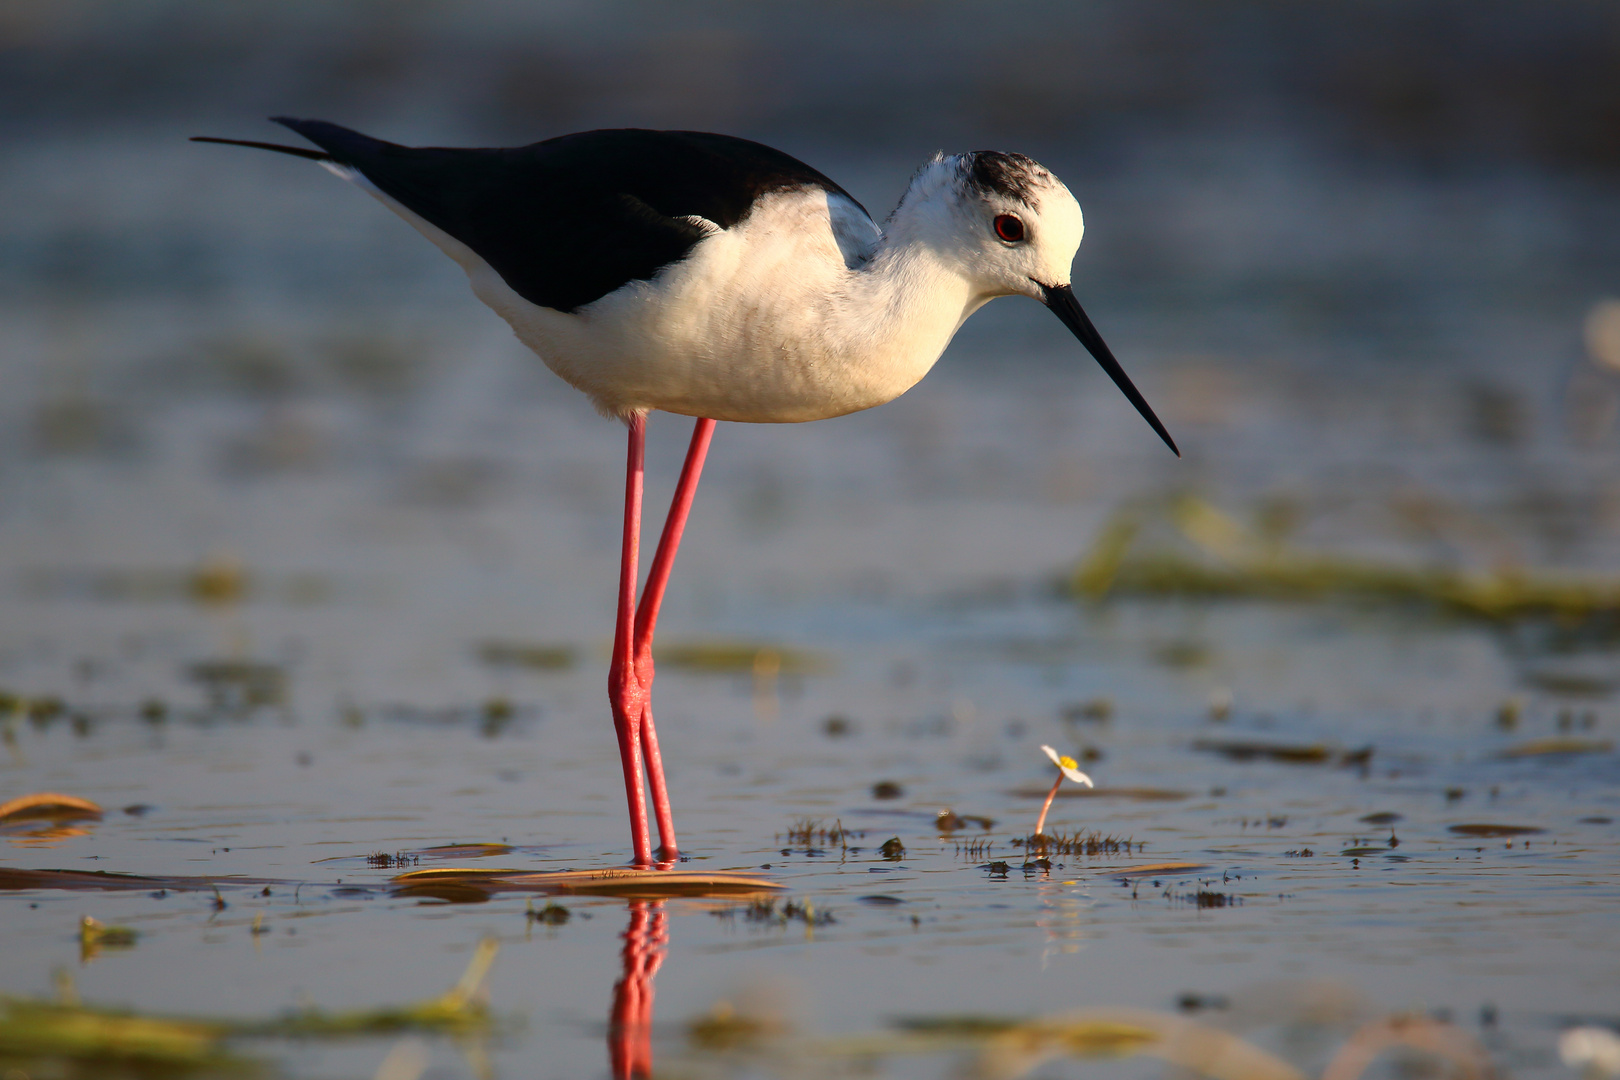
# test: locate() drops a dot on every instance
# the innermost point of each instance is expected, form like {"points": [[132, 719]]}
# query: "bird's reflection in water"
{"points": [[630, 1028]]}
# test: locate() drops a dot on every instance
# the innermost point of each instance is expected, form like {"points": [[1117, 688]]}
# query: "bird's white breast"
{"points": [[784, 317]]}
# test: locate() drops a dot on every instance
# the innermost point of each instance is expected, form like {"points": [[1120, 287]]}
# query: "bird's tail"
{"points": [[296, 151]]}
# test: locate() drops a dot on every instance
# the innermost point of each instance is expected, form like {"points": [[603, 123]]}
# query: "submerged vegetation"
{"points": [[1188, 547], [1006, 1048], [66, 1037]]}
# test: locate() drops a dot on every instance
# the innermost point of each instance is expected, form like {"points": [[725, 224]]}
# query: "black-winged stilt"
{"points": [[717, 278]]}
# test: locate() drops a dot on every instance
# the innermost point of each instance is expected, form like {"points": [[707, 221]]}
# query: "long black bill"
{"points": [[1060, 298]]}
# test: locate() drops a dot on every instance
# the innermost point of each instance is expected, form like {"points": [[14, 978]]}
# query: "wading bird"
{"points": [[717, 278]]}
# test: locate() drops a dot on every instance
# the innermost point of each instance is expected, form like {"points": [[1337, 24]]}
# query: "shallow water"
{"points": [[319, 566], [899, 570]]}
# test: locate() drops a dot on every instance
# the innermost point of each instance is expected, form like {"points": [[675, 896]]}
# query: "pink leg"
{"points": [[647, 619], [630, 1025], [626, 693]]}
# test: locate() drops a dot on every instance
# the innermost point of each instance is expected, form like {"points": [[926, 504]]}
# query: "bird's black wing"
{"points": [[569, 220]]}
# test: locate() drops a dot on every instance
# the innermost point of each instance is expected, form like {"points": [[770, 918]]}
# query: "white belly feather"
{"points": [[783, 318]]}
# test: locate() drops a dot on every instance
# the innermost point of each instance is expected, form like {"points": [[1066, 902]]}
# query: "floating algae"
{"points": [[1214, 556], [36, 1037], [53, 1038], [1004, 1048]]}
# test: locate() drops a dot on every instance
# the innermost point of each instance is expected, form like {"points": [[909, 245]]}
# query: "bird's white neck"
{"points": [[899, 309]]}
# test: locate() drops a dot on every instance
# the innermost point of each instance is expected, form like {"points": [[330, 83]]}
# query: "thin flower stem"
{"points": [[1040, 822]]}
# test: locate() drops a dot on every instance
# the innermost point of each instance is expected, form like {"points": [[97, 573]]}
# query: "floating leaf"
{"points": [[48, 805], [1156, 868], [467, 883], [12, 877]]}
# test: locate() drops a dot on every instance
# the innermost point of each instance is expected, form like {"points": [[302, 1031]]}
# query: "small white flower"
{"points": [[1594, 1050], [1070, 767]]}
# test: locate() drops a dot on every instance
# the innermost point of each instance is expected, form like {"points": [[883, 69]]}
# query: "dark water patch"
{"points": [[770, 912], [491, 717], [1098, 710], [949, 821], [1080, 843], [880, 900], [527, 656], [812, 834], [240, 685], [1287, 753], [216, 582], [553, 914], [1381, 818], [740, 657], [1496, 830], [1571, 683], [1190, 1001]]}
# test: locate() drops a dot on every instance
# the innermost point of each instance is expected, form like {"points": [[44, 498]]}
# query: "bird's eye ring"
{"points": [[1009, 228]]}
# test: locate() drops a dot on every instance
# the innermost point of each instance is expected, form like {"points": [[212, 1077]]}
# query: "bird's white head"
{"points": [[1003, 220], [1008, 227]]}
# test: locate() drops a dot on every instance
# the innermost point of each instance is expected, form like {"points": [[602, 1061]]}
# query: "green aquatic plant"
{"points": [[1217, 557], [67, 1037], [463, 1009], [95, 936], [1006, 1048]]}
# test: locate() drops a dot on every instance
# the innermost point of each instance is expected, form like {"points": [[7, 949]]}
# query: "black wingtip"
{"points": [[295, 151]]}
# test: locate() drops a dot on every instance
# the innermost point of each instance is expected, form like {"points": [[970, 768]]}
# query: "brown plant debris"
{"points": [[1496, 830], [47, 805]]}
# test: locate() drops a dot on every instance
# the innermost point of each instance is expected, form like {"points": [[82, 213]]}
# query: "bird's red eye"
{"points": [[1009, 228]]}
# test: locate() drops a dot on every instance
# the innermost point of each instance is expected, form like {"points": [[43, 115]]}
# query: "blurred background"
{"points": [[1357, 254]]}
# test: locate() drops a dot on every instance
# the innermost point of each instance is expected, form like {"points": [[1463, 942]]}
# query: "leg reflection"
{"points": [[630, 1030]]}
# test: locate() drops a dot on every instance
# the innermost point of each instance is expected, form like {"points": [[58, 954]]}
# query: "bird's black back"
{"points": [[569, 220]]}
